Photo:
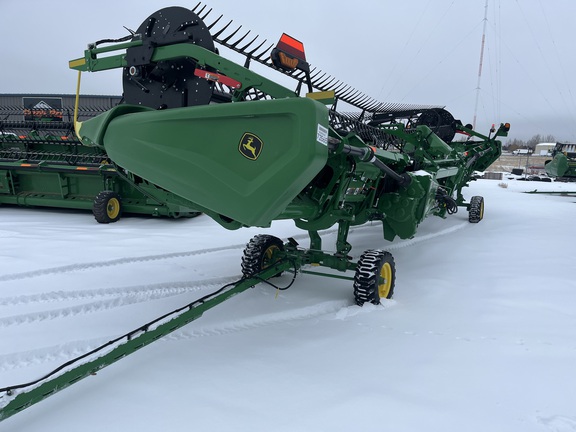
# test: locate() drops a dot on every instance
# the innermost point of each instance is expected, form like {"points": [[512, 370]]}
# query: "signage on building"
{"points": [[42, 108]]}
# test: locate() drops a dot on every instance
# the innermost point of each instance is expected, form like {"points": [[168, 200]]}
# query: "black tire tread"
{"points": [[475, 213], [99, 208], [254, 253], [367, 276]]}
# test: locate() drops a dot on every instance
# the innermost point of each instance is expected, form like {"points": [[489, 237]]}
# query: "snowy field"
{"points": [[480, 335]]}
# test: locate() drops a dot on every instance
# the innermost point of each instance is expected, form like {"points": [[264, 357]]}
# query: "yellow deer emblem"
{"points": [[250, 146]]}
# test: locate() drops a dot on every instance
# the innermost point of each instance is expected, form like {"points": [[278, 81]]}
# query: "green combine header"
{"points": [[247, 151], [563, 164], [43, 164]]}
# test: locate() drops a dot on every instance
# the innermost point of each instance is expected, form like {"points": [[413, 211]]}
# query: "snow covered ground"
{"points": [[480, 335]]}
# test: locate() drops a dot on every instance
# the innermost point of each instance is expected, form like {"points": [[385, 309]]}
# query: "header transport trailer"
{"points": [[247, 151]]}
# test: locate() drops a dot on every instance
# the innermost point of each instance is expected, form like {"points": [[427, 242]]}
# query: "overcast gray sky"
{"points": [[418, 51]]}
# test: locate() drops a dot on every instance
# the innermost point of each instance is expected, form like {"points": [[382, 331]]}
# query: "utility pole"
{"points": [[480, 66]]}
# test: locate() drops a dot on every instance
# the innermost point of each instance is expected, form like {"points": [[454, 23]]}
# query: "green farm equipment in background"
{"points": [[562, 166], [42, 163], [247, 151]]}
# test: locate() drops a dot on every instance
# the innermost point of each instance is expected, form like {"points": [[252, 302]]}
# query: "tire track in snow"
{"points": [[416, 240], [133, 260], [137, 294], [333, 309], [226, 327], [67, 351], [340, 309], [55, 296], [57, 353], [127, 260], [110, 263]]}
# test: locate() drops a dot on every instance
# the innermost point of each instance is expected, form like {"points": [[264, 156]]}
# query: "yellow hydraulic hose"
{"points": [[77, 124]]}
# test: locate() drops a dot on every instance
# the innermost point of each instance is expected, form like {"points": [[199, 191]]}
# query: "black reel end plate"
{"points": [[440, 121], [170, 83]]}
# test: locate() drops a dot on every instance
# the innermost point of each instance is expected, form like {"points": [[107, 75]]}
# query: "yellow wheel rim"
{"points": [[481, 210], [267, 256], [386, 281], [113, 208]]}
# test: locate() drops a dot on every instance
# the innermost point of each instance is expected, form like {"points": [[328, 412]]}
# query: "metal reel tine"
{"points": [[215, 22], [354, 98], [235, 44], [259, 56], [320, 77], [226, 39], [368, 101], [339, 87], [248, 44], [373, 106], [296, 74], [362, 100], [341, 92], [316, 80], [369, 105], [324, 81], [358, 98], [322, 85], [196, 7], [258, 47], [329, 83], [381, 106], [314, 73], [200, 11], [203, 17], [223, 29], [345, 93]]}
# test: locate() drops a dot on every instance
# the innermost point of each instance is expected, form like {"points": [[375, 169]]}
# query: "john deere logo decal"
{"points": [[250, 146]]}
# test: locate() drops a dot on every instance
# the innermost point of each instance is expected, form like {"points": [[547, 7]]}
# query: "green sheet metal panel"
{"points": [[246, 161], [558, 167]]}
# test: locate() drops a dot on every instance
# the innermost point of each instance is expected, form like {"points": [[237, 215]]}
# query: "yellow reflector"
{"points": [[325, 97], [75, 63]]}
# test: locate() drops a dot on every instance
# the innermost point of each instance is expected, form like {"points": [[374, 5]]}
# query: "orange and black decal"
{"points": [[250, 146]]}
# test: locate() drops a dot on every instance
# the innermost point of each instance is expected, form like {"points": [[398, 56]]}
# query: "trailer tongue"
{"points": [[246, 151]]}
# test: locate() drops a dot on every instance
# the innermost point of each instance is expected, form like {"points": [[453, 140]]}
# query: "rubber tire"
{"points": [[258, 253], [107, 207], [476, 209], [371, 266]]}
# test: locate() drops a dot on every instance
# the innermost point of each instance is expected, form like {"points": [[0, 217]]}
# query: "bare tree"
{"points": [[536, 139], [514, 144]]}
